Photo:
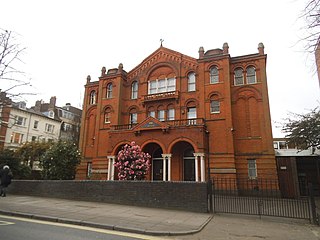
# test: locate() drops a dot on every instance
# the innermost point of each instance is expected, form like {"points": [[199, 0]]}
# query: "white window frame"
{"points": [[252, 169], [161, 115], [35, 124], [134, 90], [161, 85], [13, 137], [191, 82], [251, 77], [49, 128], [107, 116], [170, 114], [20, 121], [216, 107], [152, 113], [109, 90], [214, 75], [133, 118], [92, 97], [237, 78]]}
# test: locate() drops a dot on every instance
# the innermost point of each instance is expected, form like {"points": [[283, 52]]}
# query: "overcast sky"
{"points": [[67, 40]]}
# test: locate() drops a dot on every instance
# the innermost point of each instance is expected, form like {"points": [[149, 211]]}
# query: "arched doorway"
{"points": [[183, 162], [155, 152], [188, 165]]}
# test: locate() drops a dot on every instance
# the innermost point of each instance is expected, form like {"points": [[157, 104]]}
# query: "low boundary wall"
{"points": [[188, 196]]}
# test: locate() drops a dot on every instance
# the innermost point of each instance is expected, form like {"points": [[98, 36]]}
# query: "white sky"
{"points": [[67, 40]]}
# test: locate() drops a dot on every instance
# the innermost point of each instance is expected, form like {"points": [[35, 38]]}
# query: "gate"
{"points": [[256, 197]]}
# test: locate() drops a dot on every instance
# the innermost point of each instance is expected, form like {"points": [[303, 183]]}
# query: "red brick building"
{"points": [[193, 116]]}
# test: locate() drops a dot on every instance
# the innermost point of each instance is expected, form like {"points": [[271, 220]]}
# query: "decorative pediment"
{"points": [[151, 123], [162, 54]]}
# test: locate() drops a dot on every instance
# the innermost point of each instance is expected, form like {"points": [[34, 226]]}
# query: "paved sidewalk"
{"points": [[108, 216]]}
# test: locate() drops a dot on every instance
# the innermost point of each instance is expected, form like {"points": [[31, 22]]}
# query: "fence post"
{"points": [[210, 195], [312, 204]]}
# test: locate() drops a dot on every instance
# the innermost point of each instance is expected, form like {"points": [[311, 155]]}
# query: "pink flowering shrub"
{"points": [[132, 163]]}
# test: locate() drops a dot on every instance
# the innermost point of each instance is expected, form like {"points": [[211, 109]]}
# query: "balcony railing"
{"points": [[172, 124], [161, 96], [123, 127]]}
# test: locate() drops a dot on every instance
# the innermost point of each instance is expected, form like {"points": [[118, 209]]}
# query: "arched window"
{"points": [[92, 99], [238, 77], [191, 82], [107, 115], [251, 75], [161, 113], [109, 90], [214, 75], [133, 116], [170, 113], [151, 112], [134, 90], [214, 106]]}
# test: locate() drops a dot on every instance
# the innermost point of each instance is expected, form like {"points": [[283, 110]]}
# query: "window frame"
{"points": [[170, 114], [238, 77], [109, 90], [92, 98], [134, 90], [215, 107], [214, 76], [35, 124], [161, 115], [154, 86], [107, 116], [252, 166], [49, 128], [192, 82], [20, 121], [251, 76], [133, 117]]}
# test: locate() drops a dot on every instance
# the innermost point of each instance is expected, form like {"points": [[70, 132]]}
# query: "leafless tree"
{"points": [[311, 15], [13, 79]]}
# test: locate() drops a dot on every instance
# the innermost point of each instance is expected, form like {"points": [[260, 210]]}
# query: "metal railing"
{"points": [[257, 197]]}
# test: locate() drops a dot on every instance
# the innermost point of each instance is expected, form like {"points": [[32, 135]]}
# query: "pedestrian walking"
{"points": [[5, 176]]}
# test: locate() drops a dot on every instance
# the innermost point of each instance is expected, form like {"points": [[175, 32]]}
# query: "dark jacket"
{"points": [[6, 176]]}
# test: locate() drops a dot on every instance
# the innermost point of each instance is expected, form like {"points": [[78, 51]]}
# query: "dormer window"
{"points": [[51, 114]]}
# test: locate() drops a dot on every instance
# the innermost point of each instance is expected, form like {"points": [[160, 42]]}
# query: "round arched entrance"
{"points": [[155, 151], [183, 162]]}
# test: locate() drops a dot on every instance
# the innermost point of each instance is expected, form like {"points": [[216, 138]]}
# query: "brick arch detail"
{"points": [[246, 93], [159, 65], [182, 139], [118, 146], [156, 142]]}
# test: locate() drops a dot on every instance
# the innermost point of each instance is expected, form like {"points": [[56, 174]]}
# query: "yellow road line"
{"points": [[133, 235], [3, 223]]}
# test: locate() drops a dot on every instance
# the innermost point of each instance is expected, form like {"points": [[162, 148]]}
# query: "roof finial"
{"points": [[161, 40]]}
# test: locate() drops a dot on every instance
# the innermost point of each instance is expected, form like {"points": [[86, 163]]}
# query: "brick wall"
{"points": [[189, 196]]}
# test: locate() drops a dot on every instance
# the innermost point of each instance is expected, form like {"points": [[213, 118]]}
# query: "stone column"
{"points": [[164, 167], [202, 169], [165, 157], [111, 167], [196, 167]]}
